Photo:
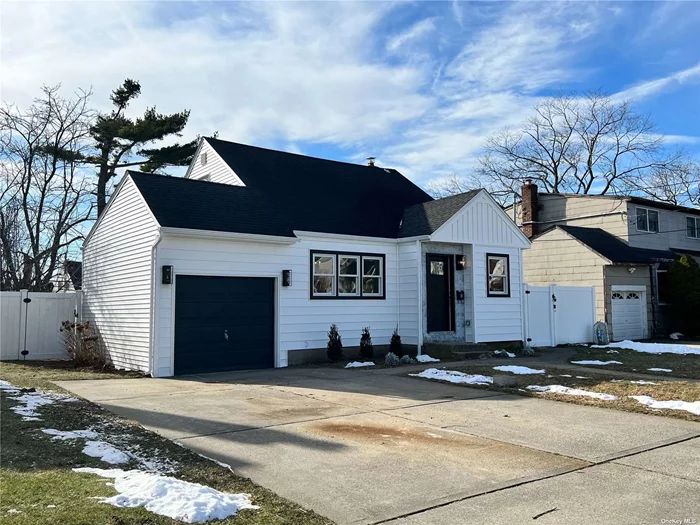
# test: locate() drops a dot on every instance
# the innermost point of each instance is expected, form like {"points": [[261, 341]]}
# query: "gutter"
{"points": [[152, 331]]}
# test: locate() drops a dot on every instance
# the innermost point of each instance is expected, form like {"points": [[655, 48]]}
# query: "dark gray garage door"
{"points": [[224, 323]]}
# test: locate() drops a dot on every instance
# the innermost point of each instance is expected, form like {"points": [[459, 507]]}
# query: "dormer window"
{"points": [[647, 220], [203, 159]]}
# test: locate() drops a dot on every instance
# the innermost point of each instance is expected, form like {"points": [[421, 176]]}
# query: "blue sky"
{"points": [[419, 85]]}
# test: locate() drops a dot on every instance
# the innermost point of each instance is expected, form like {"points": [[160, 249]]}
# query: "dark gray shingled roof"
{"points": [[614, 249], [425, 218]]}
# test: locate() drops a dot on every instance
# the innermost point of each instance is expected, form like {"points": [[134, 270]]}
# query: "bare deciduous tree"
{"points": [[589, 144], [45, 196], [677, 183]]}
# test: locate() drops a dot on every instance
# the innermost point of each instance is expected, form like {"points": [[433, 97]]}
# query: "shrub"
{"points": [[395, 345], [391, 359], [83, 344], [366, 348], [406, 360], [335, 344], [684, 294]]}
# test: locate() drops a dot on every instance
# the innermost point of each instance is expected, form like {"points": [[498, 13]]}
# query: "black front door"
{"points": [[439, 293], [224, 323]]}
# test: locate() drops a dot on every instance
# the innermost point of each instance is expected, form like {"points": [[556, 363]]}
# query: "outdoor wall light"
{"points": [[286, 277], [631, 270], [167, 274], [461, 263]]}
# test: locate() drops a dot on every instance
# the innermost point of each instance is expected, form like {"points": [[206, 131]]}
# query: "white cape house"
{"points": [[247, 260]]}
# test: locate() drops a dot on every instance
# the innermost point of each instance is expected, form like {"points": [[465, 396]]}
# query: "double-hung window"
{"points": [[647, 220], [337, 275], [497, 275], [693, 227]]}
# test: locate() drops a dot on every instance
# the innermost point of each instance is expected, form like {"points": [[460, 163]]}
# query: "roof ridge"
{"points": [[298, 154]]}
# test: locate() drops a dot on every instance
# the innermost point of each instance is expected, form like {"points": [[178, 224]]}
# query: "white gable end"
{"points": [[481, 221], [208, 165]]}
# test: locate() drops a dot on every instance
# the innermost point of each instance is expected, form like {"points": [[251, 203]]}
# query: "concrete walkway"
{"points": [[366, 447]]}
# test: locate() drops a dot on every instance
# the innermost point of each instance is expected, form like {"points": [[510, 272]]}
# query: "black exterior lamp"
{"points": [[167, 274], [286, 277], [461, 263]]}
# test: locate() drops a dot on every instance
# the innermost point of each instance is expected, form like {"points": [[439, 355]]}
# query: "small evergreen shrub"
{"points": [[684, 295], [395, 345], [335, 344], [366, 348], [406, 360], [391, 360]]}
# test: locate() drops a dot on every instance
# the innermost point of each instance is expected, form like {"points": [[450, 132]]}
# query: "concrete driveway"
{"points": [[364, 446]]}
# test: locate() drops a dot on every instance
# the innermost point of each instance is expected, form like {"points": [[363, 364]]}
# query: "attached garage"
{"points": [[224, 323], [628, 314]]}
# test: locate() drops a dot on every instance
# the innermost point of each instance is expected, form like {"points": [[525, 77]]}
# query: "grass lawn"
{"points": [[37, 479], [682, 365], [662, 391]]}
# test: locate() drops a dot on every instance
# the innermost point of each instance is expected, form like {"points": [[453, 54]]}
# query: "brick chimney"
{"points": [[530, 209]]}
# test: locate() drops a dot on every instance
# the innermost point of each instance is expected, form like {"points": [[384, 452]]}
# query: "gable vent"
{"points": [[203, 158]]}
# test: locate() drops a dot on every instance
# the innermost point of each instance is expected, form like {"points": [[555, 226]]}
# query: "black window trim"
{"points": [[507, 258], [336, 296], [647, 210], [697, 227]]}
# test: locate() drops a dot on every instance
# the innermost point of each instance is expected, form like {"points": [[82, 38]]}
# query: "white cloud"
{"points": [[416, 32], [658, 85]]}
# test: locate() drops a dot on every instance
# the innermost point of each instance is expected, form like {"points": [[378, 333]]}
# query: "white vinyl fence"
{"points": [[30, 321], [557, 315]]}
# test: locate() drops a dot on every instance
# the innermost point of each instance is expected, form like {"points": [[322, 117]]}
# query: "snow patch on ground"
{"points": [[640, 382], [504, 353], [693, 408], [31, 402], [454, 377], [596, 362], [14, 511], [612, 352], [358, 364], [425, 358], [560, 389], [106, 452], [70, 434], [520, 370], [659, 369], [174, 498], [653, 348]]}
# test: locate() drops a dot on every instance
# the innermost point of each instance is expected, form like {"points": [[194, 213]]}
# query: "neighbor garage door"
{"points": [[627, 315], [224, 323]]}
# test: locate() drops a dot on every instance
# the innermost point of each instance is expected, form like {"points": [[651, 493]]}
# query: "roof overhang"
{"points": [[229, 236]]}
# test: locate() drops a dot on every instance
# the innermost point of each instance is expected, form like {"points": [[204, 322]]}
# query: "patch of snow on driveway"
{"points": [[560, 389], [358, 364], [596, 362], [174, 498], [520, 370], [425, 358], [454, 377], [653, 348], [659, 369], [693, 408]]}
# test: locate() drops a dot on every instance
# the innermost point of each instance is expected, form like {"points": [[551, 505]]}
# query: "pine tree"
{"points": [[120, 141]]}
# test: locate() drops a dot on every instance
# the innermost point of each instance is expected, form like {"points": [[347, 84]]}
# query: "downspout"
{"points": [[152, 332], [398, 290], [654, 301], [419, 275]]}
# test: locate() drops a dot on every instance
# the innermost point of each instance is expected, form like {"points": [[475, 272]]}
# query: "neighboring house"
{"points": [[247, 261], [69, 277], [622, 245]]}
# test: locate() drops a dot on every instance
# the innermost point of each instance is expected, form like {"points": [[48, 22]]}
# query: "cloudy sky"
{"points": [[418, 85]]}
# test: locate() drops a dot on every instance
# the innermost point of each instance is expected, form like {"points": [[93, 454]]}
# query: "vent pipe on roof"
{"points": [[370, 161]]}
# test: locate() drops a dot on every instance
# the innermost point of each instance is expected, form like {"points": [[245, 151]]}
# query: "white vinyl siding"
{"points": [[408, 292], [117, 262], [303, 322], [497, 318], [673, 232], [214, 170]]}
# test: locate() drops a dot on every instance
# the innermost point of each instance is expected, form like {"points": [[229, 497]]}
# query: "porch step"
{"points": [[457, 351]]}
